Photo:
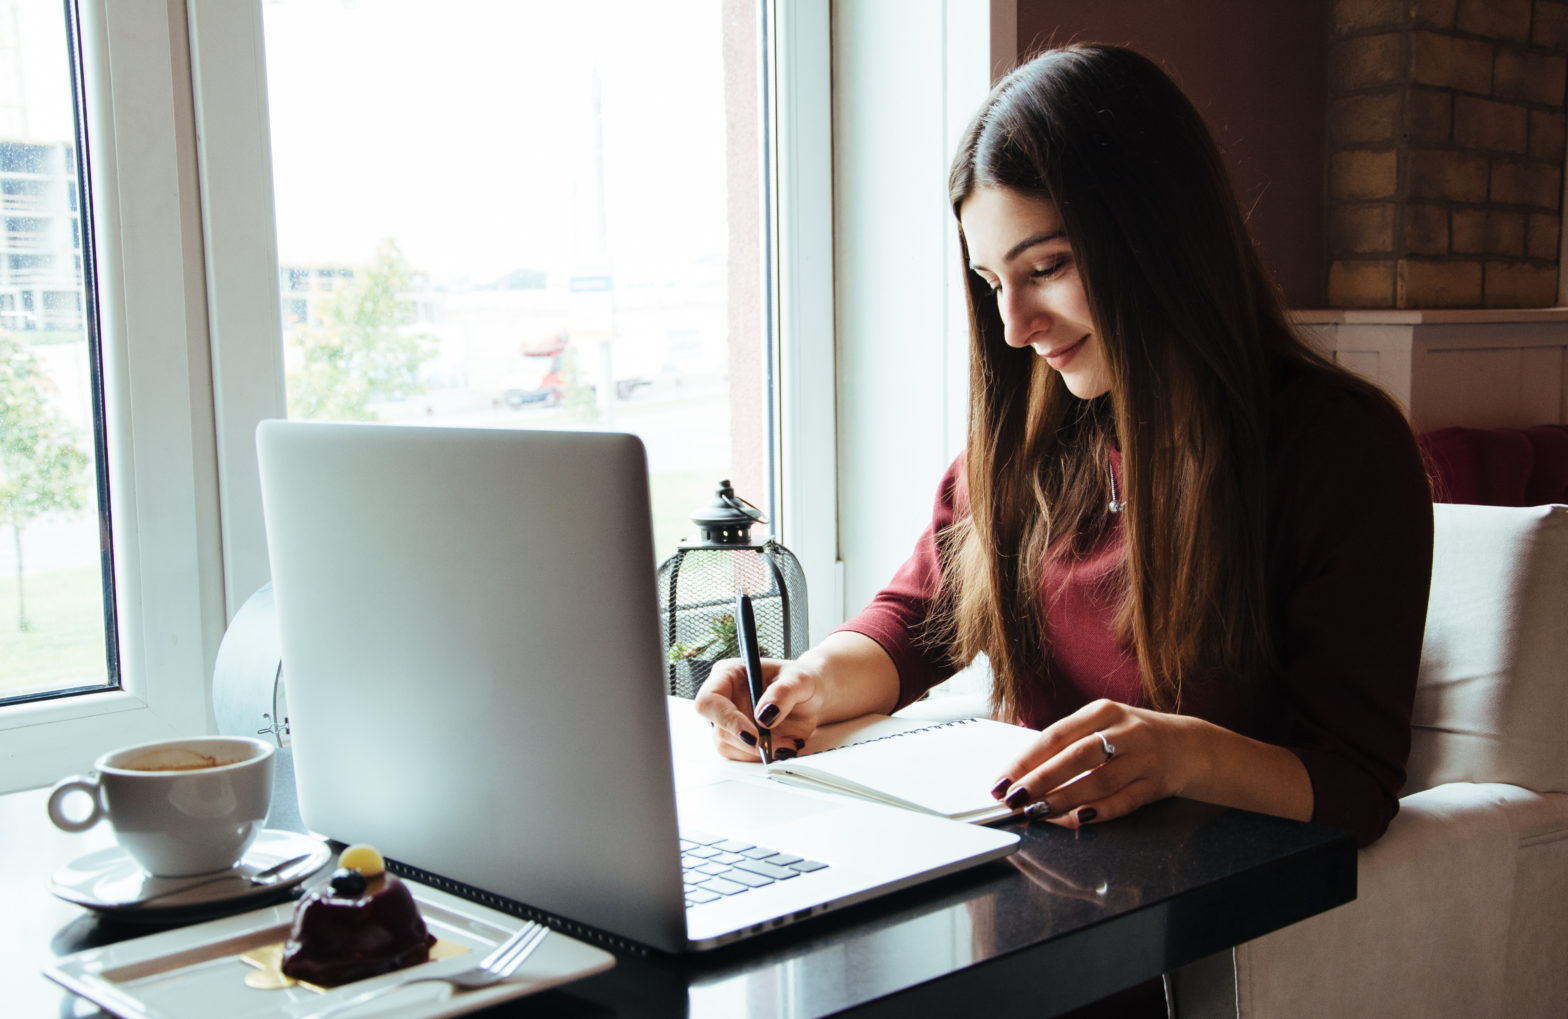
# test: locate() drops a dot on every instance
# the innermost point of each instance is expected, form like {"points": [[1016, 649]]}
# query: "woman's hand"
{"points": [[791, 708], [1069, 778], [845, 676], [1108, 759]]}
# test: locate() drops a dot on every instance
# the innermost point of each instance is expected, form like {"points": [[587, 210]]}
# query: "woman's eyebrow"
{"points": [[1025, 245]]}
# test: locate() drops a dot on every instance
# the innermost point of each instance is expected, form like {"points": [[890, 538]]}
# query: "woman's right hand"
{"points": [[792, 707]]}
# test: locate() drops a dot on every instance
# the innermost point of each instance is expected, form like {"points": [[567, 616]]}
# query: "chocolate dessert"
{"points": [[363, 924]]}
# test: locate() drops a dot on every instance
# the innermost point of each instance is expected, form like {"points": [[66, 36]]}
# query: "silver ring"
{"points": [[1110, 748]]}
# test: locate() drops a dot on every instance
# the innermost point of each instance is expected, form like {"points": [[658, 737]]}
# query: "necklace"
{"points": [[1117, 505]]}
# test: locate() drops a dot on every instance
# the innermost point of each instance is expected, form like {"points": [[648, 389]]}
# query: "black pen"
{"points": [[746, 638]]}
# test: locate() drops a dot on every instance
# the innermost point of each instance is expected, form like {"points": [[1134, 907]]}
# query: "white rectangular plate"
{"points": [[197, 971]]}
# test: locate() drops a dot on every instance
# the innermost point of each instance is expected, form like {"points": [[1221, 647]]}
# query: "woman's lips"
{"points": [[1061, 355]]}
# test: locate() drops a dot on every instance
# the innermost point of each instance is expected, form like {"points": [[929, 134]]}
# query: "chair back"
{"points": [[1492, 698]]}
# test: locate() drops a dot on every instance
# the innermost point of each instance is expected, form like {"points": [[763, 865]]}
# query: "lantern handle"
{"points": [[728, 519], [727, 493]]}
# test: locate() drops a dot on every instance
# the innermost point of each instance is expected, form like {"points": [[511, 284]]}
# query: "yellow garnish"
{"points": [[365, 859]]}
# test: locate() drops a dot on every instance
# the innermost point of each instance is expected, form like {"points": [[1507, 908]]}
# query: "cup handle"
{"points": [[85, 783]]}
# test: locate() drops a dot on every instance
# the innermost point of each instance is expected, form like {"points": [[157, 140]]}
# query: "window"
{"points": [[56, 623], [191, 306], [144, 656], [555, 223]]}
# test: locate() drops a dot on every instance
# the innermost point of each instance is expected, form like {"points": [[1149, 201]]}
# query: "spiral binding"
{"points": [[907, 732]]}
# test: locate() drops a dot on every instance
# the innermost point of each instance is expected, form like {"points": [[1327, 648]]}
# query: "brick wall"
{"points": [[1446, 144]]}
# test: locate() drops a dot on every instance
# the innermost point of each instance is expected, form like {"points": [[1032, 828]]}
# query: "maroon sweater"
{"points": [[1349, 566]]}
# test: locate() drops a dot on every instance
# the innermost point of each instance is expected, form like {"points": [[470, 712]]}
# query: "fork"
{"points": [[492, 969]]}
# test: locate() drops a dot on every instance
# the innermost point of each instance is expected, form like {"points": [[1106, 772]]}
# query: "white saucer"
{"points": [[109, 881]]}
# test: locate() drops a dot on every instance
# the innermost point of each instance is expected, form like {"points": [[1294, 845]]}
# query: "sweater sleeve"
{"points": [[896, 617], [1354, 546]]}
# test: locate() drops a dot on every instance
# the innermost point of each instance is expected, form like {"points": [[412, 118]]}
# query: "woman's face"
{"points": [[1018, 246]]}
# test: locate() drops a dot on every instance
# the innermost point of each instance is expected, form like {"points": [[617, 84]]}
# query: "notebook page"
{"points": [[945, 768]]}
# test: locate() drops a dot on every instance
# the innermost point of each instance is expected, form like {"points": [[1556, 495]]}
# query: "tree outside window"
{"points": [[41, 466], [360, 349]]}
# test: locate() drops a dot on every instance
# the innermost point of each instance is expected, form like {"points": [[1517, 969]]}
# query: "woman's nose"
{"points": [[1020, 319]]}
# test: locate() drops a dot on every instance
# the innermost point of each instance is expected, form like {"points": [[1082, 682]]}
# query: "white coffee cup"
{"points": [[179, 806]]}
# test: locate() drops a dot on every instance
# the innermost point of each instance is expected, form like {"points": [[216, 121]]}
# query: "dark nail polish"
{"points": [[1086, 814], [800, 744], [783, 754], [1017, 798], [747, 738], [1039, 809], [1000, 789], [768, 714]]}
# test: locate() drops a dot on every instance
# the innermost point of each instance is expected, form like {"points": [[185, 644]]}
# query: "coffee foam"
{"points": [[173, 759]]}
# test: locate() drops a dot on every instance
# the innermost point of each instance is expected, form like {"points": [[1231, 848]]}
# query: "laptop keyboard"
{"points": [[715, 867]]}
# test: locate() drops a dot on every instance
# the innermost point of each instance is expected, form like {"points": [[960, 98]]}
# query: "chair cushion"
{"points": [[1492, 698]]}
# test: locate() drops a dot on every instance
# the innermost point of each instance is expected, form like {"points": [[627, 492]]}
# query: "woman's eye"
{"points": [[1050, 269]]}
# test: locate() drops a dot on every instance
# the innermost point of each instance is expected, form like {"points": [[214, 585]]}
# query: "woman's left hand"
{"points": [[1102, 761]]}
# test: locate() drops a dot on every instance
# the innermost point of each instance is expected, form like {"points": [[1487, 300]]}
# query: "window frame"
{"points": [[801, 285], [162, 464], [906, 80]]}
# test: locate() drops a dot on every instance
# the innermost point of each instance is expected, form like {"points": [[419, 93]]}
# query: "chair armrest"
{"points": [[1428, 934]]}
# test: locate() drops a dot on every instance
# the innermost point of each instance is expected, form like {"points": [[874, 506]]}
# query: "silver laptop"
{"points": [[469, 634]]}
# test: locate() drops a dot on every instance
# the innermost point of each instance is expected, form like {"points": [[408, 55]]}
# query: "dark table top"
{"points": [[1071, 917], [1068, 919]]}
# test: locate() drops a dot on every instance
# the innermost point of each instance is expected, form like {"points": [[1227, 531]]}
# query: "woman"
{"points": [[1195, 553]]}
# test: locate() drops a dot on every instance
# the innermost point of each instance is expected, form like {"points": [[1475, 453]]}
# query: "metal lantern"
{"points": [[698, 585]]}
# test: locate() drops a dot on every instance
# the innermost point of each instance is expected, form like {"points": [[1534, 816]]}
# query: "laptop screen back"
{"points": [[469, 635]]}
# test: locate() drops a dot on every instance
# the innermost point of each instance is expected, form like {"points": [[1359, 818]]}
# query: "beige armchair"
{"points": [[1462, 907]]}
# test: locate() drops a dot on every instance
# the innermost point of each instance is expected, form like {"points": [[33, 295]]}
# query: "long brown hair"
{"points": [[1193, 330]]}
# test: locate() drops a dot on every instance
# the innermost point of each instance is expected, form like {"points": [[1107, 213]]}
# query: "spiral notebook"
{"points": [[942, 768]]}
